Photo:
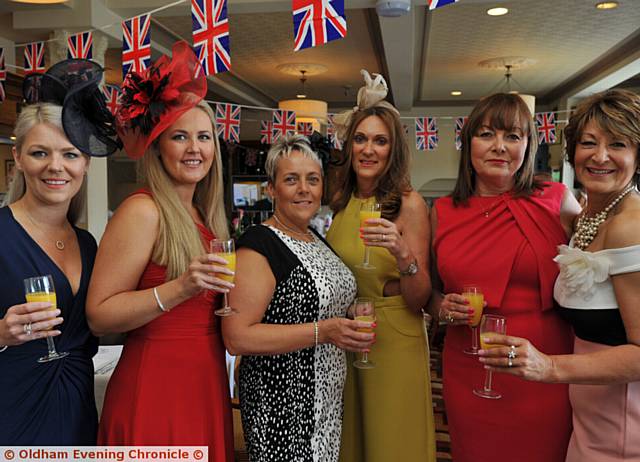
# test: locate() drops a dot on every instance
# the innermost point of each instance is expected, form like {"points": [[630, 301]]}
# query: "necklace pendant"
{"points": [[59, 245]]}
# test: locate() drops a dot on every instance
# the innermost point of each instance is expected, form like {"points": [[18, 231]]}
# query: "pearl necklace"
{"points": [[299, 233], [587, 228]]}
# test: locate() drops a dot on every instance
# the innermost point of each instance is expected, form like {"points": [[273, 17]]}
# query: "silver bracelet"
{"points": [[160, 305], [2, 348], [315, 334]]}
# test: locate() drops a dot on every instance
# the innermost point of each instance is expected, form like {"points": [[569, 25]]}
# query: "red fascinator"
{"points": [[155, 98]]}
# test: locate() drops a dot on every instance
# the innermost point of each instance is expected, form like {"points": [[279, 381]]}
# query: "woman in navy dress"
{"points": [[50, 403]]}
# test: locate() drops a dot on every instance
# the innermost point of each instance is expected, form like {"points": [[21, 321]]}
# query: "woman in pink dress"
{"points": [[499, 230], [598, 288], [153, 277]]}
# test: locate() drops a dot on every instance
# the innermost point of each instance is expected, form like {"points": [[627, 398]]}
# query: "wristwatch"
{"points": [[411, 269]]}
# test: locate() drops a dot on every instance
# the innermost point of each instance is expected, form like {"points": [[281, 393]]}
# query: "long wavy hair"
{"points": [[616, 112], [178, 239], [394, 181], [501, 111], [30, 116]]}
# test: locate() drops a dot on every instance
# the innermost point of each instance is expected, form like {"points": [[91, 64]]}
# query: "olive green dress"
{"points": [[388, 414]]}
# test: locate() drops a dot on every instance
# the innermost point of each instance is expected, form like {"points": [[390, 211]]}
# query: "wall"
{"points": [[5, 154]]}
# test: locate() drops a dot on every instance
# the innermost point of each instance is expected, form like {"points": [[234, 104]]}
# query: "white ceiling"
{"points": [[424, 55]]}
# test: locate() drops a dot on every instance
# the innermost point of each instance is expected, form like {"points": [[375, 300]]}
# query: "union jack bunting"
{"points": [[460, 121], [316, 22], [546, 122], [136, 44], [111, 93], [433, 4], [426, 133], [34, 57], [3, 75], [305, 128], [228, 122], [331, 133], [210, 26], [266, 131], [80, 46], [284, 123]]}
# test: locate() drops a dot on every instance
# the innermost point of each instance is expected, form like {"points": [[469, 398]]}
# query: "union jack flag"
{"points": [[211, 35], [546, 122], [266, 131], [228, 121], [111, 93], [136, 44], [305, 128], [460, 121], [426, 133], [80, 46], [34, 57], [433, 4], [3, 75], [284, 123], [331, 133], [316, 22]]}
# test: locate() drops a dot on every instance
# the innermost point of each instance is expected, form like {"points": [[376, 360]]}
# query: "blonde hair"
{"points": [[283, 147], [32, 115], [179, 240]]}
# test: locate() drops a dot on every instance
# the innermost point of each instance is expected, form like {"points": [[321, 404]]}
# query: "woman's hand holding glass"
{"points": [[456, 310], [347, 334], [203, 274], [517, 356], [380, 232], [38, 315]]}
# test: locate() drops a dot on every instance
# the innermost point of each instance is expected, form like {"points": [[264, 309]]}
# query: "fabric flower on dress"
{"points": [[580, 270]]}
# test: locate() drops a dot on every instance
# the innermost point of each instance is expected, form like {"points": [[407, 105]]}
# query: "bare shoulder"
{"points": [[414, 204], [139, 209], [624, 228]]}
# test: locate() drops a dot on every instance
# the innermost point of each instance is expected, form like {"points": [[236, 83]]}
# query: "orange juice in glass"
{"points": [[225, 248], [490, 323], [476, 301], [363, 310], [368, 210]]}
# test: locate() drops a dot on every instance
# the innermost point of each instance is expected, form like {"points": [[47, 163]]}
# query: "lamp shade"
{"points": [[530, 101], [307, 110]]}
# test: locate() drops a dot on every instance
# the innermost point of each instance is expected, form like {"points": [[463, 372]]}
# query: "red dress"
{"points": [[170, 386], [509, 254]]}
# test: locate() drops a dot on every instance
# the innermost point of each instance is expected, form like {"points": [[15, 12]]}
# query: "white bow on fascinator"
{"points": [[373, 93]]}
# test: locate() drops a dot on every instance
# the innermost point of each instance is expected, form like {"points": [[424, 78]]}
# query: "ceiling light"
{"points": [[12, 138], [499, 11], [607, 5], [456, 93], [40, 2], [307, 110], [393, 8]]}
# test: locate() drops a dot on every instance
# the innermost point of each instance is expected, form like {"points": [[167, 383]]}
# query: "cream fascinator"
{"points": [[373, 93]]}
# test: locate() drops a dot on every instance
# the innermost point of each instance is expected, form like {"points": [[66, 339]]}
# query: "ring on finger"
{"points": [[510, 362], [450, 318], [384, 237], [512, 353], [27, 328]]}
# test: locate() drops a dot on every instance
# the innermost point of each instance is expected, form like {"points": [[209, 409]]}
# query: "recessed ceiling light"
{"points": [[12, 138], [301, 96], [456, 93], [499, 11], [607, 5]]}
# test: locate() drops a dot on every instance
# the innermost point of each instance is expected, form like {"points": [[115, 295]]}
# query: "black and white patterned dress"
{"points": [[291, 403]]}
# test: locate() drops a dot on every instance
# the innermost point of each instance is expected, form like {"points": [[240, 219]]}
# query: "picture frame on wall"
{"points": [[9, 170]]}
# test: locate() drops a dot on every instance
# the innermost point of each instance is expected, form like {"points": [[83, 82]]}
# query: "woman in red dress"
{"points": [[499, 230], [153, 278]]}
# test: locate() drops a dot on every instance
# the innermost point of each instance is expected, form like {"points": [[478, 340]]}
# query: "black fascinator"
{"points": [[74, 85]]}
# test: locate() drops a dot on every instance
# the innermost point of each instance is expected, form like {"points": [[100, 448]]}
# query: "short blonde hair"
{"points": [[32, 115], [178, 239], [283, 147]]}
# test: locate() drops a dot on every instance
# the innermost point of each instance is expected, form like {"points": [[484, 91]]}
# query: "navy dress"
{"points": [[50, 403]]}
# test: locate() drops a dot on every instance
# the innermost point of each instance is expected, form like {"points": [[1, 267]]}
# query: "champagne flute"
{"points": [[41, 289], [490, 323], [226, 249], [368, 210], [476, 301], [363, 310]]}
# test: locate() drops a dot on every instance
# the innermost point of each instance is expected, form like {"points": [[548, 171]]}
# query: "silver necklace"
{"points": [[59, 242], [299, 233], [587, 227]]}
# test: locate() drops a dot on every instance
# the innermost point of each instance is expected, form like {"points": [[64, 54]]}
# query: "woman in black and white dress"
{"points": [[292, 294]]}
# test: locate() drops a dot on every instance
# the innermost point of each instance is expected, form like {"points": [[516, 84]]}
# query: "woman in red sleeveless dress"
{"points": [[153, 278], [499, 230]]}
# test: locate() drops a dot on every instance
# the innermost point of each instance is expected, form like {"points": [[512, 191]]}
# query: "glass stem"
{"points": [[366, 256], [365, 357], [226, 303], [474, 338], [51, 346], [487, 381]]}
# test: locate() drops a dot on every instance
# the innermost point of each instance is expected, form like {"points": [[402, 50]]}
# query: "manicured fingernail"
{"points": [[367, 350], [470, 311], [466, 302], [374, 325]]}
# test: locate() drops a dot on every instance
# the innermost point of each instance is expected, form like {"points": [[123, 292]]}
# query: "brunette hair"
{"points": [[501, 111], [394, 181], [617, 112]]}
